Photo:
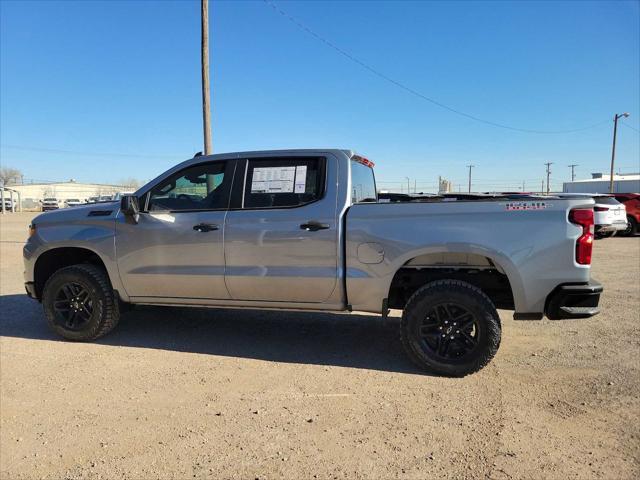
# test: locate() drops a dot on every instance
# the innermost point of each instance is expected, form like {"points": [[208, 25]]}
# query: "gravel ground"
{"points": [[199, 393]]}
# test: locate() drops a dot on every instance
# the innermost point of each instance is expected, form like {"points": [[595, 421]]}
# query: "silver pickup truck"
{"points": [[304, 230]]}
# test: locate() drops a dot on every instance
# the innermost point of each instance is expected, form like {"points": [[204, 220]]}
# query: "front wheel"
{"points": [[450, 328], [79, 303]]}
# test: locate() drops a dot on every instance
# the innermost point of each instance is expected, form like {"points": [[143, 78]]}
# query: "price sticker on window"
{"points": [[301, 179]]}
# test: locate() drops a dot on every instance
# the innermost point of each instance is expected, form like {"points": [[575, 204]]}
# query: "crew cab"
{"points": [[304, 230]]}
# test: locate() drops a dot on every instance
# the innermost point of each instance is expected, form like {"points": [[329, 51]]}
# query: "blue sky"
{"points": [[123, 77]]}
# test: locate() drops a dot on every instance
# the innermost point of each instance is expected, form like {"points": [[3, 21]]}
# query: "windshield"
{"points": [[50, 200], [75, 200], [606, 200]]}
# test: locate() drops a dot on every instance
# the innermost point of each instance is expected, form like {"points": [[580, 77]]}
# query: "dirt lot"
{"points": [[249, 394]]}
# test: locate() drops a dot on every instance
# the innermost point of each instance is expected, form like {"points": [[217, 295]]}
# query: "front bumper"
{"points": [[574, 301]]}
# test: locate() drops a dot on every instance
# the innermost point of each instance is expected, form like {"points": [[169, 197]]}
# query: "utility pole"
{"points": [[542, 188], [548, 164], [523, 185], [572, 166], [206, 110], [613, 149], [470, 166], [408, 185]]}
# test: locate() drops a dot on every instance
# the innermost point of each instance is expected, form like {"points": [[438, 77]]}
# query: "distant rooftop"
{"points": [[600, 177]]}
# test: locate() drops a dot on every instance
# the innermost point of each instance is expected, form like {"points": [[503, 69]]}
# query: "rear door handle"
{"points": [[313, 226], [205, 227]]}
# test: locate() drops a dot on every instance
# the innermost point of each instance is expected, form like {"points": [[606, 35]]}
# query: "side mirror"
{"points": [[129, 207]]}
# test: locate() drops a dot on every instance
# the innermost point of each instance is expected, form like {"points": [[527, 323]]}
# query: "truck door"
{"points": [[281, 242], [176, 249]]}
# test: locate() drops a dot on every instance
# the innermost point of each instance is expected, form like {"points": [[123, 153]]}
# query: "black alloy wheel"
{"points": [[450, 331], [450, 327], [73, 306], [80, 303]]}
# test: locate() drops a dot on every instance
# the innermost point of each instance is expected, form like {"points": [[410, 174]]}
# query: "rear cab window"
{"points": [[283, 182], [363, 182]]}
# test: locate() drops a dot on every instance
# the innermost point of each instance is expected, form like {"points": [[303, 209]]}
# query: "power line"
{"points": [[629, 126], [410, 90], [87, 154]]}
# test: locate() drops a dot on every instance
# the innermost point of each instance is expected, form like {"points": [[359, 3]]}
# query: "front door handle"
{"points": [[205, 227], [313, 226]]}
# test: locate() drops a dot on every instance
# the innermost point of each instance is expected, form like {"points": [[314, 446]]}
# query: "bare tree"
{"points": [[130, 183], [9, 175]]}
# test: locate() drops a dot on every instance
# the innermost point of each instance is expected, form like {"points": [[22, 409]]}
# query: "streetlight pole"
{"points": [[613, 148], [572, 166], [470, 166], [408, 185]]}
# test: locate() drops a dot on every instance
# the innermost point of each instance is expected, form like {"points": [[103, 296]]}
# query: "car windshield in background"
{"points": [[606, 200], [50, 200]]}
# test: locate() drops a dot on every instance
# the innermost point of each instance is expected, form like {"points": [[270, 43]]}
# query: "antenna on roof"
{"points": [[198, 154]]}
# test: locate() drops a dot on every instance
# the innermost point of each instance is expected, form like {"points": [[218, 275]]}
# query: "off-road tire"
{"points": [[467, 297], [105, 309]]}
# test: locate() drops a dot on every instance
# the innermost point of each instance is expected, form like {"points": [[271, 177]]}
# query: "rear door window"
{"points": [[283, 182]]}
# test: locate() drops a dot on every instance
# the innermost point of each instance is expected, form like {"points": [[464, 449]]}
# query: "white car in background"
{"points": [[118, 195], [72, 202], [7, 204], [610, 216], [50, 203]]}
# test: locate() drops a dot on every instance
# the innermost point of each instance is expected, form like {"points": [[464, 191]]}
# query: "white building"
{"points": [[31, 194], [599, 183]]}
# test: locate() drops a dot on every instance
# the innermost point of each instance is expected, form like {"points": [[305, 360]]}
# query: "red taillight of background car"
{"points": [[601, 209], [584, 244]]}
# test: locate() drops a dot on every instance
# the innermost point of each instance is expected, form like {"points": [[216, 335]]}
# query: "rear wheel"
{"points": [[451, 328], [601, 235], [79, 303], [632, 227]]}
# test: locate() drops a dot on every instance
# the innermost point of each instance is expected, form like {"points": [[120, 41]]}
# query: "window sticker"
{"points": [[301, 179], [273, 180]]}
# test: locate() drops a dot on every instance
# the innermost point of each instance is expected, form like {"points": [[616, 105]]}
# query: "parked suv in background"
{"points": [[50, 203], [631, 202], [610, 216]]}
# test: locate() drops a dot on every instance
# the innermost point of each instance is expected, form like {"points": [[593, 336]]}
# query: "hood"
{"points": [[93, 211]]}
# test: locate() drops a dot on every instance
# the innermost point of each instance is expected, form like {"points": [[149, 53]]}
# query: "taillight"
{"points": [[584, 244], [601, 209]]}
